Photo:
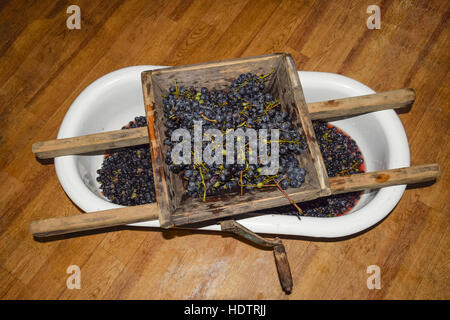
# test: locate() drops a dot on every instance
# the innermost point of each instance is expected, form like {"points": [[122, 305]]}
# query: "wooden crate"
{"points": [[175, 207]]}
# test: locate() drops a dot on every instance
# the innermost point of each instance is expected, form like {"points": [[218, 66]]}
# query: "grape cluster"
{"points": [[339, 152], [117, 171], [243, 104], [126, 175], [342, 157]]}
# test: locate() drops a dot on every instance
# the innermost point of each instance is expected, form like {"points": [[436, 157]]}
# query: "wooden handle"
{"points": [[279, 252], [386, 178], [126, 215], [90, 143], [318, 110], [361, 104], [94, 220], [284, 271]]}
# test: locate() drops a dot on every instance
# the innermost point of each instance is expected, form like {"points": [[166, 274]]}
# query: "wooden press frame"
{"points": [[284, 84]]}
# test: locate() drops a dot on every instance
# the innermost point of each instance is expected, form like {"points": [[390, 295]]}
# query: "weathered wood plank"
{"points": [[394, 99], [114, 217], [94, 220], [323, 110], [284, 83], [90, 143]]}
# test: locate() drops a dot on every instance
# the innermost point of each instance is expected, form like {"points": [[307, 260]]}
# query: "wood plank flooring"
{"points": [[44, 66]]}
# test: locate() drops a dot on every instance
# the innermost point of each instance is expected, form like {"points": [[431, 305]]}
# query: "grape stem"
{"points": [[204, 185], [176, 89], [204, 117], [269, 107], [286, 195], [242, 186]]}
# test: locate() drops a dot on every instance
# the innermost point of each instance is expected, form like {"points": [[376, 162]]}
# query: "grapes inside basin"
{"points": [[116, 98]]}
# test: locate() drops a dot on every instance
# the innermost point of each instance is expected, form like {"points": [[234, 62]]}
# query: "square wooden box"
{"points": [[175, 207]]}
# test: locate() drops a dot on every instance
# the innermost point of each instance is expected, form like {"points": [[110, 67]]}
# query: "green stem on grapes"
{"points": [[204, 117], [204, 184], [263, 76], [177, 93]]}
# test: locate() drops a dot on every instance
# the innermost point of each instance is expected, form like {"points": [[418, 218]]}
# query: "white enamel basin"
{"points": [[116, 98]]}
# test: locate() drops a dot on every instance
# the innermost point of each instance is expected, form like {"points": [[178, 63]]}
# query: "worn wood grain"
{"points": [[324, 110], [279, 252], [44, 66], [90, 143], [94, 220], [222, 208], [284, 84]]}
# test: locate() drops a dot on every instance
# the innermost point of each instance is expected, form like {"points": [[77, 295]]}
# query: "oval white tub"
{"points": [[116, 98]]}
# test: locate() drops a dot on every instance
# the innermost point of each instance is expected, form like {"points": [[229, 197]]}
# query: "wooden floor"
{"points": [[44, 66]]}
